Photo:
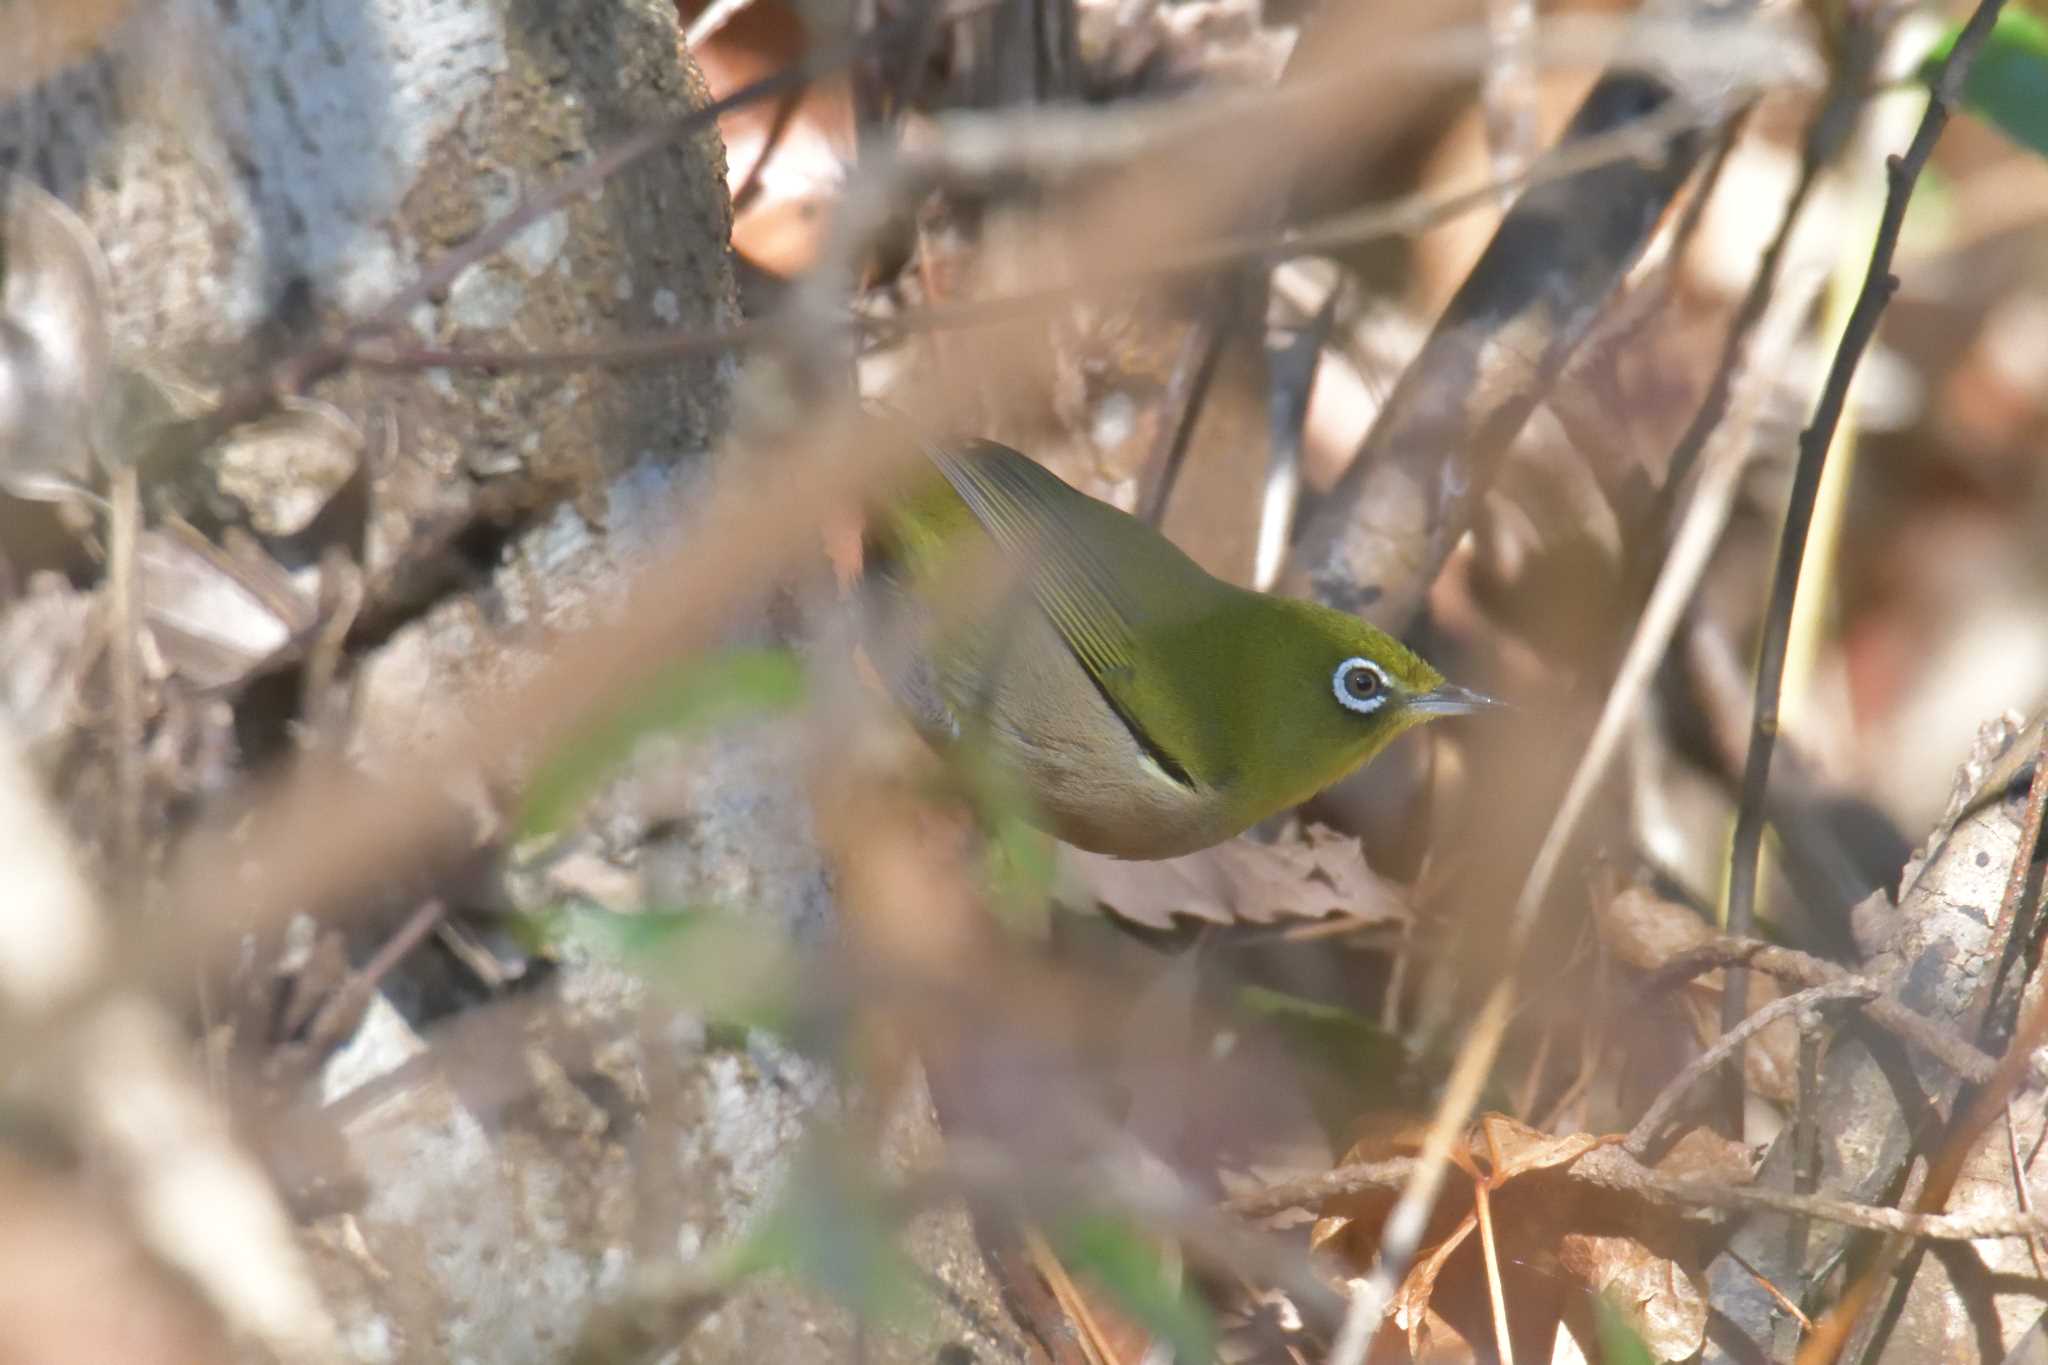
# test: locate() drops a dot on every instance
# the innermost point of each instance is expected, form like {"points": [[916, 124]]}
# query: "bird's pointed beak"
{"points": [[1452, 700]]}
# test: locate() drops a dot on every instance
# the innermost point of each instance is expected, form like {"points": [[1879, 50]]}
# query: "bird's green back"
{"points": [[1231, 689]]}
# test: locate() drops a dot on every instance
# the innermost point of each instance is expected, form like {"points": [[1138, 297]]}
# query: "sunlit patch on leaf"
{"points": [[702, 693]]}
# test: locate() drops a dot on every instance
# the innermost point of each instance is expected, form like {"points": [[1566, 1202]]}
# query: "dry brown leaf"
{"points": [[1514, 1148], [1638, 1254], [781, 225], [55, 350], [1661, 1301], [1381, 1136], [1646, 931], [1242, 882]]}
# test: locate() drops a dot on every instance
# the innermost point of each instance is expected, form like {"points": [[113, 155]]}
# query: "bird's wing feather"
{"points": [[1027, 510]]}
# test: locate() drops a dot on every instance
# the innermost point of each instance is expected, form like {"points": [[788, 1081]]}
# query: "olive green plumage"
{"points": [[1149, 708]]}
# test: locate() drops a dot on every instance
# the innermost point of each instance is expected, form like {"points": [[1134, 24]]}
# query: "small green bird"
{"points": [[1149, 708]]}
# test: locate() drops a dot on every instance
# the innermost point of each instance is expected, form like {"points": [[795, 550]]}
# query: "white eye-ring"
{"points": [[1360, 685]]}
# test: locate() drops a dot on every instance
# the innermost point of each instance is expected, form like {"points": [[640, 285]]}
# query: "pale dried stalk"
{"points": [[1706, 515], [124, 1084]]}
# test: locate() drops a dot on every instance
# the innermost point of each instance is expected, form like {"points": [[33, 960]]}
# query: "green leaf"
{"points": [[2008, 85], [733, 968], [704, 692], [1125, 1265], [1019, 860], [1619, 1344], [1351, 1065], [831, 1230]]}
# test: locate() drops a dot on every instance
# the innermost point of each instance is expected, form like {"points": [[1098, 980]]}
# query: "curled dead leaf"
{"points": [[218, 619], [55, 351], [1647, 932], [1320, 874]]}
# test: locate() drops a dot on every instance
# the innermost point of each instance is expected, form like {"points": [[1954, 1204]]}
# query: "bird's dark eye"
{"points": [[1359, 685]]}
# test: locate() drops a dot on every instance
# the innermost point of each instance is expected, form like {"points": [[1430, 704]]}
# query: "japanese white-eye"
{"points": [[1148, 708]]}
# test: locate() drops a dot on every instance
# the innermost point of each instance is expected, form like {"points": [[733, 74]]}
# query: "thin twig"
{"points": [[329, 355], [1313, 1191], [1793, 1312], [1730, 1044], [973, 159], [1186, 389], [1823, 143], [1610, 1168], [1789, 964], [1902, 173], [1409, 1218], [1706, 515], [1825, 136], [778, 125], [714, 17], [124, 650], [339, 1011]]}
